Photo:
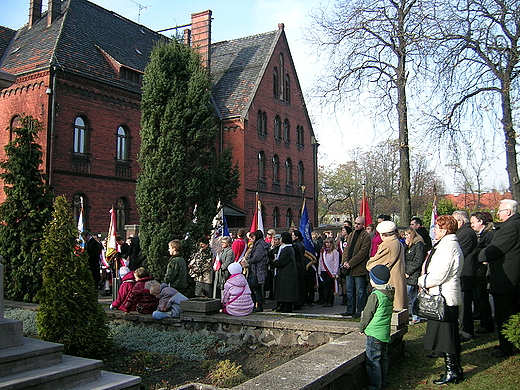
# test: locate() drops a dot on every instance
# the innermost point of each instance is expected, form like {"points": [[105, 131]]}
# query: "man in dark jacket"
{"points": [[467, 239], [416, 223], [93, 248], [354, 259], [503, 256]]}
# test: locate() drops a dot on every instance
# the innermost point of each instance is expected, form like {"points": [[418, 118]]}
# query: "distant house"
{"points": [[79, 69], [475, 202]]}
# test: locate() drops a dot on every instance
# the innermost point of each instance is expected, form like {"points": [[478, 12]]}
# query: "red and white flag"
{"points": [[258, 223]]}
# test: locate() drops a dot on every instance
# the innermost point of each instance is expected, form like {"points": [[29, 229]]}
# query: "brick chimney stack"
{"points": [[281, 26], [35, 11], [187, 37], [201, 34], [54, 11]]}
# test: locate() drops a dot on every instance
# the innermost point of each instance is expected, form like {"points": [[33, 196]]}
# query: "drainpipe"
{"points": [[51, 91]]}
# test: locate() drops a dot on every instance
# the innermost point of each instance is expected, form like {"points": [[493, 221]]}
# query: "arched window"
{"points": [[286, 131], [288, 218], [261, 165], [276, 83], [121, 215], [259, 122], [261, 126], [287, 89], [288, 171], [281, 90], [276, 168], [299, 135], [277, 127], [79, 208], [264, 123], [122, 144], [301, 180], [16, 124], [276, 217], [80, 136]]}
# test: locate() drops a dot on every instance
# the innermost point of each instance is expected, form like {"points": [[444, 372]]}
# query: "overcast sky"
{"points": [[337, 133]]}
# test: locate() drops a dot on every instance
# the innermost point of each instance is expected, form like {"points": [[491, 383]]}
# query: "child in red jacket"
{"points": [[127, 285]]}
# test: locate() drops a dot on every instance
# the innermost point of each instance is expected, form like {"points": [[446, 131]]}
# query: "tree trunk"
{"points": [[402, 115], [510, 141]]}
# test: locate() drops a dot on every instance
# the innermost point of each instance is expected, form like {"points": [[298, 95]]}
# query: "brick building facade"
{"points": [[79, 68]]}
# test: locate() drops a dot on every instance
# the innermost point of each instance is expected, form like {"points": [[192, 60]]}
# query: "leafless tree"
{"points": [[375, 46], [480, 66]]}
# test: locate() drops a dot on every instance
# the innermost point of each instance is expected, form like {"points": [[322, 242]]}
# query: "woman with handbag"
{"points": [[442, 280]]}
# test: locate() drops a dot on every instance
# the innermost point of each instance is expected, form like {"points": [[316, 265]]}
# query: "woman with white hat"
{"points": [[391, 254]]}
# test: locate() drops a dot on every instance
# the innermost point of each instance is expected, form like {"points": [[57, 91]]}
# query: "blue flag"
{"points": [[305, 229]]}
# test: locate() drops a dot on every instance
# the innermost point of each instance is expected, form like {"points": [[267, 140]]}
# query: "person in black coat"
{"points": [[287, 290], [503, 256], [93, 249], [299, 253], [414, 259], [134, 254], [468, 243], [485, 229]]}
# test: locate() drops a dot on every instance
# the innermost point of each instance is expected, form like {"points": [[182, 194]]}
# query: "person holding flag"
{"points": [[309, 256]]}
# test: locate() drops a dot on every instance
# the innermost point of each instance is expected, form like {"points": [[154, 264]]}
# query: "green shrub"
{"points": [[512, 330], [184, 345], [69, 311], [226, 374], [28, 317]]}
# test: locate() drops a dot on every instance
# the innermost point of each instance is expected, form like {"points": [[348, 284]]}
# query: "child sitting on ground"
{"points": [[140, 298], [127, 285], [236, 298], [169, 301], [375, 324]]}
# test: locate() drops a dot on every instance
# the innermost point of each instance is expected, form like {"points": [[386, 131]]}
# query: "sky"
{"points": [[337, 130]]}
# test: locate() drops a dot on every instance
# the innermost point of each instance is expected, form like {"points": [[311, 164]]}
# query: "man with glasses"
{"points": [[503, 256]]}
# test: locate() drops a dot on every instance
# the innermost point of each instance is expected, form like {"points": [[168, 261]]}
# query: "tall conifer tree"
{"points": [[179, 166], [25, 211], [69, 311]]}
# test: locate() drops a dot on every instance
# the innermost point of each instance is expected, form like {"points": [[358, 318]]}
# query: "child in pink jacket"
{"points": [[236, 298], [127, 284]]}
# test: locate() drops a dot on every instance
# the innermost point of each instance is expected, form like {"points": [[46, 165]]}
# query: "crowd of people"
{"points": [[375, 269]]}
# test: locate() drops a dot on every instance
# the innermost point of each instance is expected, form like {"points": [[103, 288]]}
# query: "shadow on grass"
{"points": [[481, 369]]}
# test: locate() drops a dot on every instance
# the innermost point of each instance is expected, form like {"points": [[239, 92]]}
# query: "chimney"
{"points": [[35, 11], [201, 35], [281, 26], [187, 37], [54, 11]]}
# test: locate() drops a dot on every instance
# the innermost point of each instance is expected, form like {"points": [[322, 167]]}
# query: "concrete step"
{"points": [[31, 354], [112, 381], [69, 373]]}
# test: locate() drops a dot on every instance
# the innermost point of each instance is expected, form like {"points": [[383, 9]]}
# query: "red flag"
{"points": [[364, 210]]}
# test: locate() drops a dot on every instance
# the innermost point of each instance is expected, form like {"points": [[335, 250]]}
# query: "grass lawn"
{"points": [[481, 369]]}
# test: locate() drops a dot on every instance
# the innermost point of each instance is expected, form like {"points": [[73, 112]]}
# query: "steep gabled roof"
{"points": [[77, 40], [237, 67]]}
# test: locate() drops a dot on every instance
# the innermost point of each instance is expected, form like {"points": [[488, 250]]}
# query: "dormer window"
{"points": [[130, 75]]}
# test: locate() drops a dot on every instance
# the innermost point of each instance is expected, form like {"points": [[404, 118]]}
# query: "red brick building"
{"points": [[79, 68]]}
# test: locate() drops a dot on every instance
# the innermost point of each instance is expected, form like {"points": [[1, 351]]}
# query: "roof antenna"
{"points": [[141, 7]]}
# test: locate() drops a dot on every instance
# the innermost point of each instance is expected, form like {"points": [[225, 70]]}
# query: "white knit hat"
{"points": [[234, 268]]}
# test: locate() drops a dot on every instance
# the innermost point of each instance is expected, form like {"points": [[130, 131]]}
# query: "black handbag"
{"points": [[429, 306]]}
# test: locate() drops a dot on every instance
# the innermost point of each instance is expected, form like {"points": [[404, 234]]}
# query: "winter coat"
{"points": [[467, 239], [484, 238], [286, 282], [200, 266], [377, 314], [503, 256], [140, 298], [426, 238], [226, 258], [391, 254], [236, 298], [239, 248], [127, 285], [444, 267], [176, 273], [360, 253], [170, 300], [257, 260], [414, 259], [376, 241]]}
